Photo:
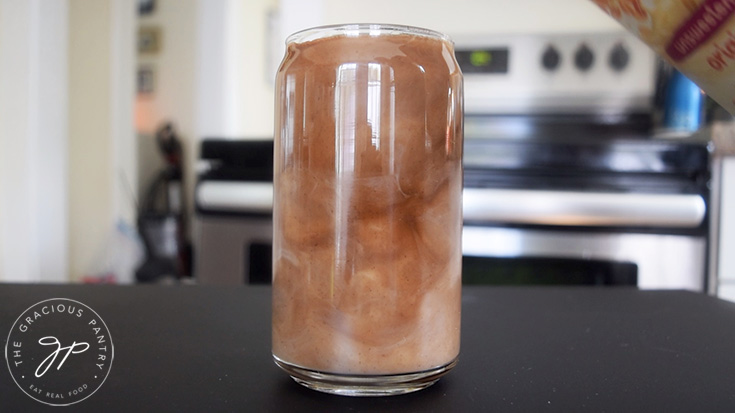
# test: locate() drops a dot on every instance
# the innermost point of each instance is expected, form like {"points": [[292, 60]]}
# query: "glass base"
{"points": [[364, 385]]}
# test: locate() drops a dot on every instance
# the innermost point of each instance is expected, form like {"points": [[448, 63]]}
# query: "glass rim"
{"points": [[356, 29]]}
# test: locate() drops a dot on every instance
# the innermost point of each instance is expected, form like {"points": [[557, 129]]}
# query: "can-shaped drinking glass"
{"points": [[367, 209]]}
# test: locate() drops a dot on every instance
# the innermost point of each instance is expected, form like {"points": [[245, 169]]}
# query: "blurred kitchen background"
{"points": [[136, 136]]}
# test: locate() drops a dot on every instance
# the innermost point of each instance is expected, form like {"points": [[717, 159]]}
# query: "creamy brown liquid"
{"points": [[367, 214]]}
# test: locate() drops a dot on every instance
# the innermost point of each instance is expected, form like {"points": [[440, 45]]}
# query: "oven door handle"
{"points": [[570, 208], [232, 196]]}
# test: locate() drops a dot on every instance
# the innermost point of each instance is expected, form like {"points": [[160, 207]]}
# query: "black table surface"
{"points": [[196, 348]]}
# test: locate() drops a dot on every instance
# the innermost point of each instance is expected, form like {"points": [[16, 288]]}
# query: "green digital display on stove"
{"points": [[493, 60]]}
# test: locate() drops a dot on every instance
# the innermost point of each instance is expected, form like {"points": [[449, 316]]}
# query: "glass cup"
{"points": [[367, 209]]}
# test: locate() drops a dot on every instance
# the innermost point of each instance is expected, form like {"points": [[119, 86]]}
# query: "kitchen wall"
{"points": [[210, 77], [472, 16], [33, 134], [210, 74], [458, 17], [66, 154], [90, 146], [102, 164], [174, 97]]}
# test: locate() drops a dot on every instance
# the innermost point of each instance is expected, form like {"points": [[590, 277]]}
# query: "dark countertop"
{"points": [[190, 348]]}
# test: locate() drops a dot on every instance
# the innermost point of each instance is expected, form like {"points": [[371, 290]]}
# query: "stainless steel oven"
{"points": [[606, 212], [565, 180]]}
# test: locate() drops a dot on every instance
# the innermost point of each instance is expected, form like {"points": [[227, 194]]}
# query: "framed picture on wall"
{"points": [[146, 80], [146, 7], [149, 40]]}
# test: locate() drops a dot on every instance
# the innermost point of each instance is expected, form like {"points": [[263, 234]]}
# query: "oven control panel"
{"points": [[610, 72]]}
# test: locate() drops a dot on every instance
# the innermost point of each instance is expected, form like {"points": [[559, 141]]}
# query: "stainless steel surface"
{"points": [[664, 261], [713, 275], [223, 243], [530, 87], [518, 206], [722, 228]]}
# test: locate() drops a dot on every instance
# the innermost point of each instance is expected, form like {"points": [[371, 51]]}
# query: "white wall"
{"points": [[33, 141], [210, 72], [66, 147], [2, 194], [122, 98], [456, 17], [90, 148], [101, 141], [253, 78], [234, 84], [174, 97], [474, 16]]}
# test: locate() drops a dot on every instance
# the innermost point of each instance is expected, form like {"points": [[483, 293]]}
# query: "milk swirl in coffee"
{"points": [[367, 207]]}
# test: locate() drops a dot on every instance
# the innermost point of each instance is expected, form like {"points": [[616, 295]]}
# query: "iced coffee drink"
{"points": [[367, 209]]}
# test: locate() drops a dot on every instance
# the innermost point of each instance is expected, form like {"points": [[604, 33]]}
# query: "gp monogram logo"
{"points": [[59, 351]]}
